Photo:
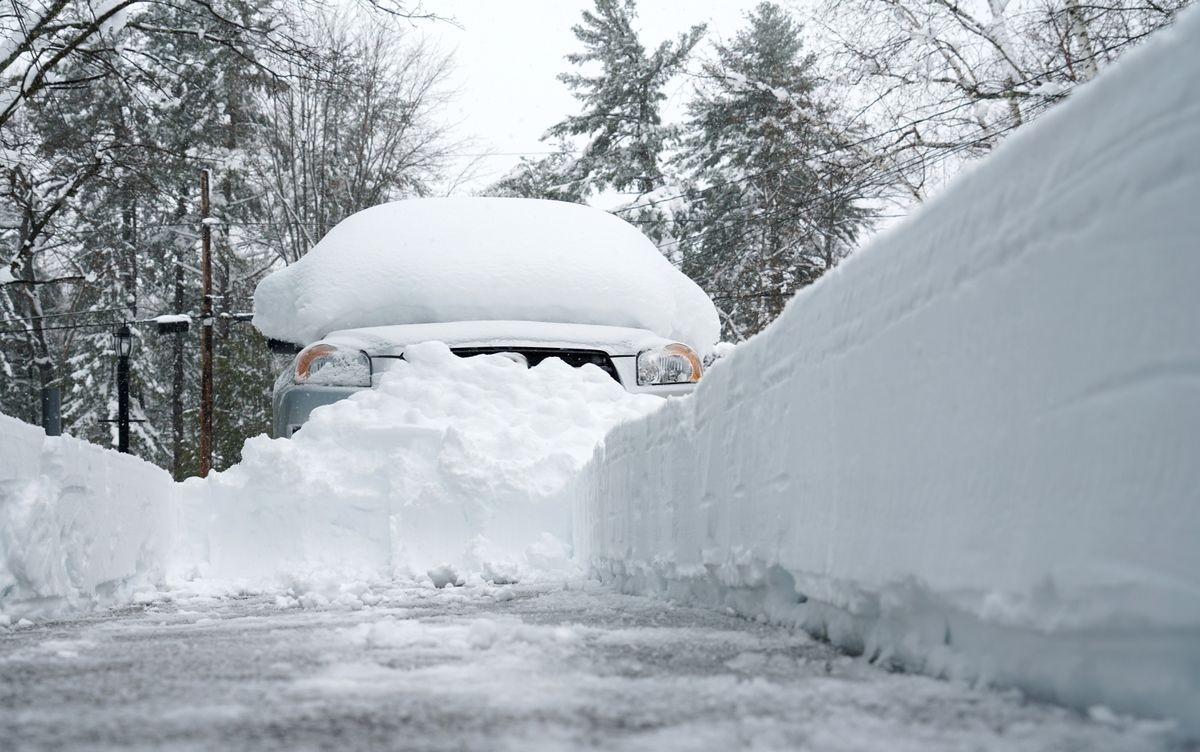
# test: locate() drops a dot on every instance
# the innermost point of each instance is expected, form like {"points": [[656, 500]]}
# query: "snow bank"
{"points": [[973, 448], [483, 259], [450, 467], [79, 524]]}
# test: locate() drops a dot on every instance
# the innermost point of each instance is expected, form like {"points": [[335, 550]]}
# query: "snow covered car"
{"points": [[527, 278]]}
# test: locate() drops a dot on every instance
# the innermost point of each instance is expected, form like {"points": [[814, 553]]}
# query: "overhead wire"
{"points": [[897, 129], [56, 328], [61, 314], [786, 212], [893, 171], [821, 203]]}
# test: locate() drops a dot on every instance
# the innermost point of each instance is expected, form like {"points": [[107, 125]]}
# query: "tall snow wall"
{"points": [[974, 448], [79, 524]]}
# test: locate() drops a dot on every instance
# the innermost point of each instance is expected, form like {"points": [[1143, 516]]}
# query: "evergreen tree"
{"points": [[771, 207], [140, 219], [98, 203], [621, 115], [208, 117], [72, 246], [243, 374], [104, 216]]}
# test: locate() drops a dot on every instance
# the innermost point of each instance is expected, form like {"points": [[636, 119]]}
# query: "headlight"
{"points": [[332, 366], [673, 364]]}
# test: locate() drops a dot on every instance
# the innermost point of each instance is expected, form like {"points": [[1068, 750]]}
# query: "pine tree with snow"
{"points": [[621, 114], [209, 117], [106, 191], [98, 206], [771, 206]]}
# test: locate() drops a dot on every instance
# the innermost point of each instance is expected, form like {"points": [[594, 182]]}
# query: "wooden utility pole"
{"points": [[206, 331]]}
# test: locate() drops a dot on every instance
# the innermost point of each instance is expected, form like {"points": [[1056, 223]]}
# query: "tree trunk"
{"points": [[1079, 31]]}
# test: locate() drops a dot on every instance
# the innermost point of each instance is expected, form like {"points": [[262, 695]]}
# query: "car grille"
{"points": [[535, 355]]}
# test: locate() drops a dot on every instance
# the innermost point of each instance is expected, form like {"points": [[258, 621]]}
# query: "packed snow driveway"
{"points": [[550, 666]]}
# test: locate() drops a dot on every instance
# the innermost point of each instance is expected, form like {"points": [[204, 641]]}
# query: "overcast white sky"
{"points": [[508, 52]]}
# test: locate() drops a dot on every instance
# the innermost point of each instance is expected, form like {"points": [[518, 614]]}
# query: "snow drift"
{"points": [[483, 259], [973, 447], [79, 524], [451, 467]]}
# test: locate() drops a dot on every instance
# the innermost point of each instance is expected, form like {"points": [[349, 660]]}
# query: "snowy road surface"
{"points": [[521, 667]]}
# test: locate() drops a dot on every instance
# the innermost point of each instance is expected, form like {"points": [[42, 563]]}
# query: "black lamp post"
{"points": [[123, 344]]}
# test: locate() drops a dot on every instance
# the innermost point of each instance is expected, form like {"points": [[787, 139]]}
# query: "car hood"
{"points": [[391, 340]]}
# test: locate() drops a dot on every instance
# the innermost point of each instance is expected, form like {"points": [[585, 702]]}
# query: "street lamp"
{"points": [[123, 344], [123, 341]]}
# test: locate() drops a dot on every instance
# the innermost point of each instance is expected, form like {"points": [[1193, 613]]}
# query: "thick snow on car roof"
{"points": [[471, 259]]}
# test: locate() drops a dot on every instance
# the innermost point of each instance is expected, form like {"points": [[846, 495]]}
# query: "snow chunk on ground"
{"points": [[450, 468], [444, 576], [483, 259]]}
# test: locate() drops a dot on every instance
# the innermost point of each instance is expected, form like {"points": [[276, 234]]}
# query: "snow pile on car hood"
{"points": [[483, 259], [452, 467]]}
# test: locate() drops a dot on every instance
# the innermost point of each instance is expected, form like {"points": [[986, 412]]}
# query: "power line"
{"points": [[726, 295], [517, 153], [820, 203], [57, 328], [61, 314], [782, 211], [900, 128], [807, 157]]}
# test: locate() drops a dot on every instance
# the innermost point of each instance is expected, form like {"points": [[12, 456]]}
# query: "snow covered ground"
{"points": [[516, 667]]}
